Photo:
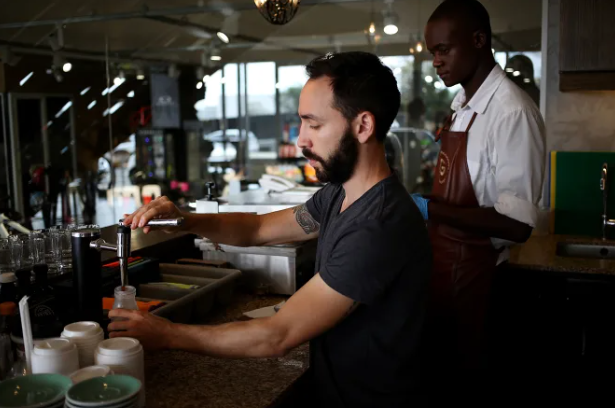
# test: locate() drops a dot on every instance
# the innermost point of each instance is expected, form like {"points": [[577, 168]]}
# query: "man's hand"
{"points": [[422, 203], [152, 331], [161, 207]]}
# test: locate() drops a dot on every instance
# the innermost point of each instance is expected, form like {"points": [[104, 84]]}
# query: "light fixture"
{"points": [[438, 85], [67, 67], [411, 50], [131, 94], [26, 78], [516, 73], [64, 109], [509, 69], [117, 81], [86, 90], [8, 57], [91, 105], [140, 75], [199, 85], [527, 80], [372, 28], [113, 109], [277, 12], [390, 20], [429, 79], [215, 54], [223, 37], [419, 47]]}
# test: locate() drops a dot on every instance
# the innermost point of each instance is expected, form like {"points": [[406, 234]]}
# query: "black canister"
{"points": [[87, 275]]}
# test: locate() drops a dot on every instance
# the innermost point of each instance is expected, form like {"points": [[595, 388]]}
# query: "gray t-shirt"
{"points": [[377, 253]]}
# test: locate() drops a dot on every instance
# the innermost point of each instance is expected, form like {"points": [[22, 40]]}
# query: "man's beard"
{"points": [[340, 166]]}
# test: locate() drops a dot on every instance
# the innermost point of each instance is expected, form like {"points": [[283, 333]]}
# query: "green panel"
{"points": [[578, 198]]}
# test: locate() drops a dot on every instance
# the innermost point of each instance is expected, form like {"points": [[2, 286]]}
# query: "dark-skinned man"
{"points": [[487, 185]]}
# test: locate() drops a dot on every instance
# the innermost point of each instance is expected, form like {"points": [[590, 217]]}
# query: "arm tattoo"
{"points": [[305, 220], [351, 309]]}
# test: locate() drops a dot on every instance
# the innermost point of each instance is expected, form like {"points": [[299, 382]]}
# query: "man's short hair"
{"points": [[360, 82], [470, 12]]}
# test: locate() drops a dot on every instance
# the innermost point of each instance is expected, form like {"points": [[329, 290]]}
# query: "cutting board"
{"points": [[576, 198]]}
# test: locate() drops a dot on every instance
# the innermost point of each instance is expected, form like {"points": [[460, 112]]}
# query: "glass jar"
{"points": [[125, 299]]}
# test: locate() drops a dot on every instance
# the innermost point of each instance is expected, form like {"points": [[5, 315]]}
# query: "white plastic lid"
{"points": [[119, 346], [53, 347], [82, 329], [8, 277], [90, 372]]}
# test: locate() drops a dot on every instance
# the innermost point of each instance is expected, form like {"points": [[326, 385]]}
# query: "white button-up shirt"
{"points": [[506, 148]]}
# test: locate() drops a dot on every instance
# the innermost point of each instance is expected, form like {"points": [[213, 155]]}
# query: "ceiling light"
{"points": [[390, 29], [67, 67], [438, 85], [419, 47], [117, 81], [64, 109], [372, 28], [411, 50], [91, 105], [50, 123], [85, 90], [140, 74], [509, 69], [277, 12], [113, 109], [527, 80], [131, 94], [429, 79], [216, 58], [223, 37], [516, 73], [199, 85], [26, 78], [390, 20]]}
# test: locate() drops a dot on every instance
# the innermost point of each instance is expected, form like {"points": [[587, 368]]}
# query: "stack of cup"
{"points": [[125, 356], [55, 356], [86, 336]]}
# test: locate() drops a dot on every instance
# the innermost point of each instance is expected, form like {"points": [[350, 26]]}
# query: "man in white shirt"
{"points": [[487, 185]]}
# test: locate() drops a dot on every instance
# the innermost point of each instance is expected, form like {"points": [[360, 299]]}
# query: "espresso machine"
{"points": [[87, 245]]}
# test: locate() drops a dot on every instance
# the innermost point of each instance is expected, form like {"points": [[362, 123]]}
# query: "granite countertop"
{"points": [[178, 379], [539, 253]]}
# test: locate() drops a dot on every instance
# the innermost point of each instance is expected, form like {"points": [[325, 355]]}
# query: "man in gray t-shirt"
{"points": [[363, 309]]}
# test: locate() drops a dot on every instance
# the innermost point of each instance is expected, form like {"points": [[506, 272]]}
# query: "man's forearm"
{"points": [[485, 221], [237, 229], [254, 338]]}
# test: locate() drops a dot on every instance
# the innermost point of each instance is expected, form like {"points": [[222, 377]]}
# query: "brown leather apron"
{"points": [[463, 266]]}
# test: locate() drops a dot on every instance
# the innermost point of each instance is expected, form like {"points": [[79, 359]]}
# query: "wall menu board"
{"points": [[165, 102]]}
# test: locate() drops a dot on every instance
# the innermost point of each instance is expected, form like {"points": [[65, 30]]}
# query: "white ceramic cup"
{"points": [[86, 335], [124, 355], [55, 356]]}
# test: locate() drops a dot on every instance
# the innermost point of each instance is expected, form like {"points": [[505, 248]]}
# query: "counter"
{"points": [[539, 253], [177, 379]]}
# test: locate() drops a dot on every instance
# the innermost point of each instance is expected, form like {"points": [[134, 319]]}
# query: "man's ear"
{"points": [[479, 38], [364, 126]]}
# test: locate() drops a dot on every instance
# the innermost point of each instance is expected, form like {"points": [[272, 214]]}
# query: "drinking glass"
{"points": [[16, 249], [5, 255]]}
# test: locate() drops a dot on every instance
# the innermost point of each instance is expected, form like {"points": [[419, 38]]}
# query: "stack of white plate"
{"points": [[113, 391], [86, 336]]}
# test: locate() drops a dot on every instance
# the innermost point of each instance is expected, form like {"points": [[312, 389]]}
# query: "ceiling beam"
{"points": [[146, 12]]}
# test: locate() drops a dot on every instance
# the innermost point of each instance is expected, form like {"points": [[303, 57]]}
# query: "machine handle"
{"points": [[170, 222]]}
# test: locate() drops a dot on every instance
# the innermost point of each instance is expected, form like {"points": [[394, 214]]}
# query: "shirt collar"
{"points": [[483, 95]]}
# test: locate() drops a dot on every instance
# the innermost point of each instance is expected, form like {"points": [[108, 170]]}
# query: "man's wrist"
{"points": [[170, 336]]}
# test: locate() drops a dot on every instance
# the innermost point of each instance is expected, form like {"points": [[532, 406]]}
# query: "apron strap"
{"points": [[471, 122], [447, 124]]}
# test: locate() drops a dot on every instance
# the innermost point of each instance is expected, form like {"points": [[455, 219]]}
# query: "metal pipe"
{"points": [[211, 8]]}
